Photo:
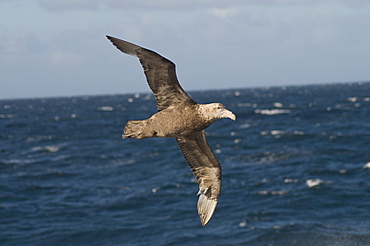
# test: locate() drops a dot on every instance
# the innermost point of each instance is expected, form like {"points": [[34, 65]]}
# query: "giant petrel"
{"points": [[180, 117]]}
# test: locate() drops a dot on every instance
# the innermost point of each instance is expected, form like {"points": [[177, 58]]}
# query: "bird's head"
{"points": [[215, 111]]}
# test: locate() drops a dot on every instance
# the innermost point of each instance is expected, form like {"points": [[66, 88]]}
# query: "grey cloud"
{"points": [[66, 5], [20, 43], [180, 5], [201, 4], [245, 43]]}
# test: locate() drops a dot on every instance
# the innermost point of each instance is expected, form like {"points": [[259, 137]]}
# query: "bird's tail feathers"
{"points": [[206, 208]]}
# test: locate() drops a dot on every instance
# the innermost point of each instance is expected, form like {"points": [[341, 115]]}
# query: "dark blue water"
{"points": [[296, 171]]}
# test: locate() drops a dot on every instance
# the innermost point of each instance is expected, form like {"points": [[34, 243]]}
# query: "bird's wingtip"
{"points": [[206, 208], [109, 37], [124, 46]]}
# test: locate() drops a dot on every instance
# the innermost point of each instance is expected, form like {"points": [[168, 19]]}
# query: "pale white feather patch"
{"points": [[206, 208]]}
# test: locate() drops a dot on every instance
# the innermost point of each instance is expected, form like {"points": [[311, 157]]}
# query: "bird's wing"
{"points": [[206, 169], [160, 74]]}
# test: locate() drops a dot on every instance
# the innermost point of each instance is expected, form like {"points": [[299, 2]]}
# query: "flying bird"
{"points": [[179, 117]]}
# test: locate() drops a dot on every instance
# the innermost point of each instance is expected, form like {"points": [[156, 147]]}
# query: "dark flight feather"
{"points": [[160, 74]]}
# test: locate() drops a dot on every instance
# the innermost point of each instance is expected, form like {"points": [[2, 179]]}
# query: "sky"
{"points": [[52, 48]]}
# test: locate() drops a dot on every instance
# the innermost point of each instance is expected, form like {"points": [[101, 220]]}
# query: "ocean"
{"points": [[296, 171]]}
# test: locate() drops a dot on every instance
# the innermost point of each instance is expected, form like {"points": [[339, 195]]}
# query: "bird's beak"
{"points": [[228, 114]]}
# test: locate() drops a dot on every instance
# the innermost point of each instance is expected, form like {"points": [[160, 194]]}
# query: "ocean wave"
{"points": [[272, 111], [314, 182], [274, 192], [6, 116], [104, 108], [273, 132], [280, 132], [50, 148], [286, 179], [367, 165]]}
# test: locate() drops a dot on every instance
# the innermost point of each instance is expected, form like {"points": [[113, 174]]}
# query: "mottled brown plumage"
{"points": [[179, 117]]}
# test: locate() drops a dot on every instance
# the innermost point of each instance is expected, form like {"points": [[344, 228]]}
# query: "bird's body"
{"points": [[158, 124], [179, 117]]}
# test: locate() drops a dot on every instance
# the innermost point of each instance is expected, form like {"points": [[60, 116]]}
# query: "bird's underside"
{"points": [[179, 117], [175, 121]]}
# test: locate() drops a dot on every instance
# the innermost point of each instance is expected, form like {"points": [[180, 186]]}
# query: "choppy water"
{"points": [[296, 171]]}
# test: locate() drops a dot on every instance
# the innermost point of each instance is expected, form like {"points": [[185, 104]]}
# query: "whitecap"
{"points": [[243, 126], [6, 116], [272, 111], [243, 223], [52, 148], [352, 99], [18, 161], [47, 148], [276, 227], [275, 192], [244, 105], [276, 132], [313, 182], [278, 105], [367, 165], [342, 171], [298, 133], [238, 140], [105, 108], [288, 180]]}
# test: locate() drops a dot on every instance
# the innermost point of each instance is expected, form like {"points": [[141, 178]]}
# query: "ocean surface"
{"points": [[296, 171]]}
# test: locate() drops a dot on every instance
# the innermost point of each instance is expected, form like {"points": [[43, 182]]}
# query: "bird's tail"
{"points": [[206, 208], [133, 129]]}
